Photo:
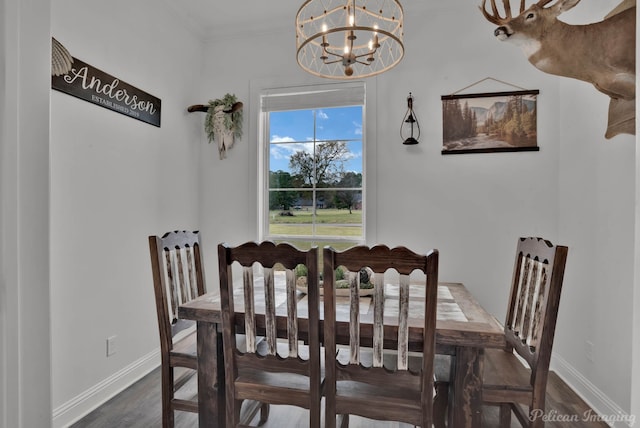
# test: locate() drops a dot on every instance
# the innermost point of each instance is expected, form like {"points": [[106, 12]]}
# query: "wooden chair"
{"points": [[178, 277], [529, 330], [370, 381], [271, 371]]}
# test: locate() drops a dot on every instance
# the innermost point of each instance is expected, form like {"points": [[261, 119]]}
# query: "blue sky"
{"points": [[296, 127]]}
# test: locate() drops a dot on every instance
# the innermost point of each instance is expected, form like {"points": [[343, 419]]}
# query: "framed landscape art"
{"points": [[489, 122]]}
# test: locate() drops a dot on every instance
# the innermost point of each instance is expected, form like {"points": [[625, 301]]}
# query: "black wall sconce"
{"points": [[410, 128]]}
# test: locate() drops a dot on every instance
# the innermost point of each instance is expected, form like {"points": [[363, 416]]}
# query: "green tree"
{"points": [[348, 198], [281, 199], [452, 116], [324, 166]]}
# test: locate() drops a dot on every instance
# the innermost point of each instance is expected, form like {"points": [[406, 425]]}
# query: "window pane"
{"points": [[315, 176], [296, 219], [355, 160], [354, 231], [290, 229], [280, 180], [340, 213], [340, 206], [283, 200], [340, 123], [292, 125], [307, 244], [330, 160], [345, 180], [296, 159]]}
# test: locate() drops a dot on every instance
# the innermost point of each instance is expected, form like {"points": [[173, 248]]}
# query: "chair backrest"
{"points": [[534, 301], [178, 277], [268, 304], [401, 315]]}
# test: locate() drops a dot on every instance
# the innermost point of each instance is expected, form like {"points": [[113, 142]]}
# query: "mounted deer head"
{"points": [[602, 53]]}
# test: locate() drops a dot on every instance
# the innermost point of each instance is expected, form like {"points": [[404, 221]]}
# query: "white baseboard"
{"points": [[605, 407], [79, 406]]}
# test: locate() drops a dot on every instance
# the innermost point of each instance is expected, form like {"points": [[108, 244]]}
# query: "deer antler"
{"points": [[495, 18]]}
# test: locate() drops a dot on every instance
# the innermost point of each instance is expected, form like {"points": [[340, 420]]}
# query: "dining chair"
{"points": [[178, 277], [529, 331], [377, 378], [284, 368], [176, 264]]}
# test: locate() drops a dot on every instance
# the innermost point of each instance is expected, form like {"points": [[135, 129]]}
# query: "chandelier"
{"points": [[345, 39]]}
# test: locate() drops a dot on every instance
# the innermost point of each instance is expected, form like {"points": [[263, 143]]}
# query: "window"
{"points": [[313, 165]]}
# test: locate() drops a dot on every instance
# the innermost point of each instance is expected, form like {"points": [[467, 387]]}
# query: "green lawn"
{"points": [[329, 222], [323, 216], [306, 230]]}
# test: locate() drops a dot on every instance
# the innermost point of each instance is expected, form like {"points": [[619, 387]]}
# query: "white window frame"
{"points": [[308, 97]]}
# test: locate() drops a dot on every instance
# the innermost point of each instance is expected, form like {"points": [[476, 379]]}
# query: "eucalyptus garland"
{"points": [[232, 120]]}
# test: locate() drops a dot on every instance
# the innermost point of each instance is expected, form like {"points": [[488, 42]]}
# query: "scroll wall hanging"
{"points": [[489, 122]]}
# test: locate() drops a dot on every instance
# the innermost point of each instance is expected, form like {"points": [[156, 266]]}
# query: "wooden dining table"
{"points": [[463, 330]]}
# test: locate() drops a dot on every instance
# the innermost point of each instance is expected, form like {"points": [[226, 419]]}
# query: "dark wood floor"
{"points": [[139, 406]]}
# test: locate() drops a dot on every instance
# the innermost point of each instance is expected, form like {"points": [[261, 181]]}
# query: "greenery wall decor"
{"points": [[223, 122]]}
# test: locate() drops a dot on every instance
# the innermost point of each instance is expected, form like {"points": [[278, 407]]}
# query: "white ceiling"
{"points": [[212, 19], [215, 18]]}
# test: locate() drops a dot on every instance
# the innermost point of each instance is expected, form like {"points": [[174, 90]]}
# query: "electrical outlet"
{"points": [[588, 351], [111, 346]]}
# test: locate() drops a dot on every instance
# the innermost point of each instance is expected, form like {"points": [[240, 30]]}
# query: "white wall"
{"points": [[577, 191], [596, 220], [114, 181], [452, 199], [635, 335], [471, 207], [25, 396]]}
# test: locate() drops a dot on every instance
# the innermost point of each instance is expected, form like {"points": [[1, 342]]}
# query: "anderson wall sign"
{"points": [[97, 87]]}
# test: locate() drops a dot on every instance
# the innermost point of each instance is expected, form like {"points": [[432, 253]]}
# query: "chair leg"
{"points": [[264, 414], [536, 422], [233, 413], [505, 415], [330, 415], [343, 421], [440, 403], [248, 411], [167, 396]]}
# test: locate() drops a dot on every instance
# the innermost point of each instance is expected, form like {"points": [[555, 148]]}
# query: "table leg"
{"points": [[466, 392], [211, 397]]}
